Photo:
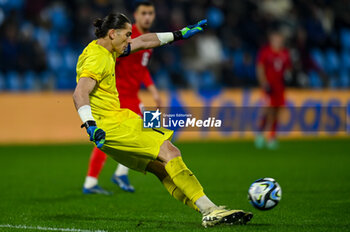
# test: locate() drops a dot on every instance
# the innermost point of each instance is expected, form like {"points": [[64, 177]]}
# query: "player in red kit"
{"points": [[272, 64], [131, 72]]}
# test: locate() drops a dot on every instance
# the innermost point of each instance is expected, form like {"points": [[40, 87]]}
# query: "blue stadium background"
{"points": [[41, 40]]}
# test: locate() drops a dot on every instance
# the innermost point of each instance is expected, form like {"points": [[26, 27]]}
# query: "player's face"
{"points": [[144, 16], [276, 41], [120, 38]]}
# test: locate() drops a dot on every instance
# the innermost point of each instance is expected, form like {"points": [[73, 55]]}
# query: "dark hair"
{"points": [[142, 3], [111, 21]]}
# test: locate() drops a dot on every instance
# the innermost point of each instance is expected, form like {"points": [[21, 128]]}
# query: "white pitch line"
{"points": [[47, 228]]}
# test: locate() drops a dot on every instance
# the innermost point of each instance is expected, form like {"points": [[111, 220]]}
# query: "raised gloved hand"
{"points": [[189, 31], [97, 135]]}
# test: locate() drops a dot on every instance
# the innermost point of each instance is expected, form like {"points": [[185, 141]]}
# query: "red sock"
{"points": [[97, 161], [273, 130]]}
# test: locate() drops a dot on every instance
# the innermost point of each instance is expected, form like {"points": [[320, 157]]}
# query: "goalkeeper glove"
{"points": [[97, 135], [189, 31]]}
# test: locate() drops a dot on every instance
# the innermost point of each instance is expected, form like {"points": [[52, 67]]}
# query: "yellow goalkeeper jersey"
{"points": [[126, 139], [98, 63]]}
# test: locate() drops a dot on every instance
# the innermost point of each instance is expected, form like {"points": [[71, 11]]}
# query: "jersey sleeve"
{"points": [[147, 79], [94, 67], [126, 51]]}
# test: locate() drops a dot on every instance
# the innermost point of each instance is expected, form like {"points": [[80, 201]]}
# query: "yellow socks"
{"points": [[184, 179], [177, 193]]}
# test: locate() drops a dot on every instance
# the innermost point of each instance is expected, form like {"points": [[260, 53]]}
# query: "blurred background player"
{"points": [[132, 72], [273, 63]]}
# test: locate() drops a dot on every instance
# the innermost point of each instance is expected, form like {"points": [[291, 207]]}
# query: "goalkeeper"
{"points": [[118, 132]]}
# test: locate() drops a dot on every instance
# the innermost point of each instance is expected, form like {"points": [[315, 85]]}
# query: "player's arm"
{"points": [[82, 103], [148, 82], [152, 40], [260, 72], [155, 94], [82, 92]]}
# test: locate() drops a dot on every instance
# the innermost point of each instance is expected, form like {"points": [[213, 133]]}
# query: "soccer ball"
{"points": [[264, 193]]}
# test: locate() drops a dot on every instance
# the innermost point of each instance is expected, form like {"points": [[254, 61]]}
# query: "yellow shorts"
{"points": [[132, 145]]}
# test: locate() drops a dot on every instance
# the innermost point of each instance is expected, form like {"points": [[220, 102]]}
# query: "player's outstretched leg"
{"points": [[97, 161], [185, 180], [157, 168], [120, 178]]}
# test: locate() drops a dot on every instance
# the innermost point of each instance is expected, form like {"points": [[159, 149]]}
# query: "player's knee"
{"points": [[174, 151], [168, 152]]}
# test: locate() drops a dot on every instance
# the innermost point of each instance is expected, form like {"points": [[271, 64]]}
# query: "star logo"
{"points": [[156, 115], [151, 119]]}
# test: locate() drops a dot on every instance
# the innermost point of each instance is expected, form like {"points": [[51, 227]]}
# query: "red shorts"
{"points": [[276, 99], [133, 104]]}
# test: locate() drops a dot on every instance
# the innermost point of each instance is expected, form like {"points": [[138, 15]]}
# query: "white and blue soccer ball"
{"points": [[264, 193]]}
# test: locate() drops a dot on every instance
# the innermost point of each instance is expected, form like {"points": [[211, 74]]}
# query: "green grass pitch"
{"points": [[41, 186]]}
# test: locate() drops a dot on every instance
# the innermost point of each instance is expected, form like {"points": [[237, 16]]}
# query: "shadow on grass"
{"points": [[73, 195]]}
